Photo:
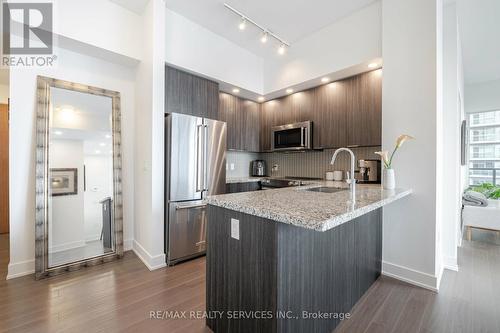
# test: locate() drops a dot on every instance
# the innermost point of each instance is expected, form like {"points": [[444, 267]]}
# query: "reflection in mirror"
{"points": [[80, 172]]}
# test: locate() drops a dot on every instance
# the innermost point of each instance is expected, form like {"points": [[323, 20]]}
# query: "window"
{"points": [[484, 147]]}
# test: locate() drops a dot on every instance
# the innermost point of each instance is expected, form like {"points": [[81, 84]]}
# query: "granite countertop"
{"points": [[312, 210], [247, 179]]}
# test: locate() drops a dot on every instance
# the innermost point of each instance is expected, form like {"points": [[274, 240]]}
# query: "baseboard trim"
{"points": [[67, 246], [27, 267], [410, 276], [151, 262], [450, 263], [21, 268]]}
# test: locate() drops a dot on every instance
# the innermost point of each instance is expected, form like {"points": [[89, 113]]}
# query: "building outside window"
{"points": [[484, 147]]}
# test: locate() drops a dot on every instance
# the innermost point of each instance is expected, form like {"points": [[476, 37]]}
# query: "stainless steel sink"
{"points": [[325, 189]]}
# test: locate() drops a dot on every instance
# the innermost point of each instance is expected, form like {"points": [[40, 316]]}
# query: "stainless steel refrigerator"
{"points": [[195, 167]]}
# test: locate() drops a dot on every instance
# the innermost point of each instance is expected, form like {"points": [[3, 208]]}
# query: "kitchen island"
{"points": [[292, 260]]}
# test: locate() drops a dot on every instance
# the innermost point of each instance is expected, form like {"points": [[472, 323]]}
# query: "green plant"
{"points": [[489, 190]]}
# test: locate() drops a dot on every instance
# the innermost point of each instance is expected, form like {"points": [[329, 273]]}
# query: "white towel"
{"points": [[473, 198]]}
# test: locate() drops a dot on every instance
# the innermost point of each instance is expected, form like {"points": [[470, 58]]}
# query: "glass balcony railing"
{"points": [[479, 176]]}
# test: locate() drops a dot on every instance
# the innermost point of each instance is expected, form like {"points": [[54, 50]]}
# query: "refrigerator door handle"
{"points": [[199, 158], [205, 158], [180, 207]]}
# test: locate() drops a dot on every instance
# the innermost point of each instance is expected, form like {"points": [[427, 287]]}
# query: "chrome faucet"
{"points": [[352, 183]]}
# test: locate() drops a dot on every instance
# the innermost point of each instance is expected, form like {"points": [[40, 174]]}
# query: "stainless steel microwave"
{"points": [[296, 136]]}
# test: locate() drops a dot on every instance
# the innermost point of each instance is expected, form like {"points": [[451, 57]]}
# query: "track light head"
{"points": [[243, 24], [282, 49], [263, 39]]}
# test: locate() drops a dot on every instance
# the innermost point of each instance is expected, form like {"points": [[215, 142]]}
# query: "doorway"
{"points": [[4, 168]]}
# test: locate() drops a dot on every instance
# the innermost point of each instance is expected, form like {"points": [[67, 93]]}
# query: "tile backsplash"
{"points": [[313, 163], [238, 163], [304, 164]]}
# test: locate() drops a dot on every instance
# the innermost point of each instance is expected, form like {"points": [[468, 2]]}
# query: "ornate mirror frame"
{"points": [[42, 268]]}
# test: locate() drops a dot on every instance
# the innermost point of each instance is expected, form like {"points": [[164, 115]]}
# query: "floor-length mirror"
{"points": [[81, 177]]}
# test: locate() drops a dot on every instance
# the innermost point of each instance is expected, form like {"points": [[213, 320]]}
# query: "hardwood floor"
{"points": [[118, 297], [468, 301]]}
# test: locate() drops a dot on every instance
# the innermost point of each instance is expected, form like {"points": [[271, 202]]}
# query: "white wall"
{"points": [[76, 68], [99, 23], [4, 94], [99, 181], [451, 155], [483, 96], [66, 227], [193, 47], [148, 177], [410, 104], [348, 42]]}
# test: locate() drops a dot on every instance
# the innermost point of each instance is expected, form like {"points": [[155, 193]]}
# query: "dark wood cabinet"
{"points": [[282, 268], [344, 113], [243, 187], [251, 126], [364, 109], [243, 122], [189, 94], [330, 115]]}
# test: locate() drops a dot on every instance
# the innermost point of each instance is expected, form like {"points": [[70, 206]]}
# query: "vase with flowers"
{"points": [[388, 177]]}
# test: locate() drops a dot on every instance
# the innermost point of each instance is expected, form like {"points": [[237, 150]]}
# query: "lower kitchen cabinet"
{"points": [[242, 187]]}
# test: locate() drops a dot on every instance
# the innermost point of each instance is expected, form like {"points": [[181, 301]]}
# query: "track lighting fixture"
{"points": [[266, 33]]}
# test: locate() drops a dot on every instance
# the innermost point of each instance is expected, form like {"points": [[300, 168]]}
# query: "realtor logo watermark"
{"points": [[28, 39]]}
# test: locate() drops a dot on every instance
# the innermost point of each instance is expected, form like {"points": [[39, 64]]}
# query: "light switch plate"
{"points": [[235, 229]]}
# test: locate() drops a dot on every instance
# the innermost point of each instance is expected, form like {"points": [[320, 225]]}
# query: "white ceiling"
{"points": [[137, 6], [292, 20], [480, 33]]}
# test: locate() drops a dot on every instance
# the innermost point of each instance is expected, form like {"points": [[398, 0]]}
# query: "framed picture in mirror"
{"points": [[63, 181]]}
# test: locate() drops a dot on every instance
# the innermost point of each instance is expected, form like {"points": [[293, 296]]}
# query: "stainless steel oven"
{"points": [[296, 136]]}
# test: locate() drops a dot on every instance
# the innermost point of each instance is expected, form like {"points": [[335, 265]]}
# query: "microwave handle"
{"points": [[302, 136]]}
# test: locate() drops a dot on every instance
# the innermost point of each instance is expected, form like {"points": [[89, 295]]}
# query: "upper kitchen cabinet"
{"points": [[344, 113], [243, 122], [329, 118], [364, 109], [190, 94], [251, 128]]}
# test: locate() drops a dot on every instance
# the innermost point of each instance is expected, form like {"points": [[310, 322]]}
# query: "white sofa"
{"points": [[487, 218]]}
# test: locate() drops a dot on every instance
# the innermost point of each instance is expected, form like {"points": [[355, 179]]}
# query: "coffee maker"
{"points": [[369, 171], [259, 168]]}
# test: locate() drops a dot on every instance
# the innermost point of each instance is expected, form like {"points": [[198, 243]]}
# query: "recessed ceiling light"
{"points": [[325, 79], [236, 90], [58, 132], [289, 91], [261, 98], [263, 39], [243, 24], [372, 65]]}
